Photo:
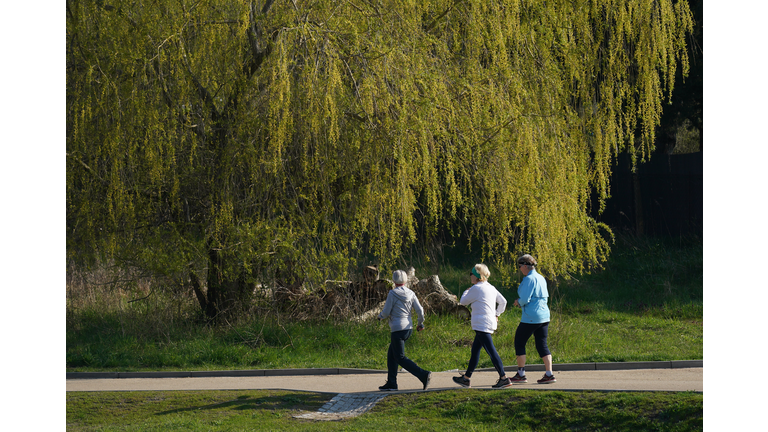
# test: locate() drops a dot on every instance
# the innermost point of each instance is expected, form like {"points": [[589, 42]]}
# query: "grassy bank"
{"points": [[645, 305], [601, 335], [453, 410]]}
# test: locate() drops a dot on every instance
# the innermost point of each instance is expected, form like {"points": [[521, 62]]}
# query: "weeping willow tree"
{"points": [[282, 141]]}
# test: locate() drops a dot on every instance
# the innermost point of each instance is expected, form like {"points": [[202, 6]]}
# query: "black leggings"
{"points": [[484, 341], [539, 332]]}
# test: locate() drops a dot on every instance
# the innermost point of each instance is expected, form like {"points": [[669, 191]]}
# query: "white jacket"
{"points": [[398, 306], [483, 297]]}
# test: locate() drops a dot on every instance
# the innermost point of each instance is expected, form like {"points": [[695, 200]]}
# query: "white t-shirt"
{"points": [[483, 298]]}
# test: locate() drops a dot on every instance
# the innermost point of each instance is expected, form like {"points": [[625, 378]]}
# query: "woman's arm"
{"points": [[525, 291], [502, 303], [468, 297], [419, 311], [387, 307]]}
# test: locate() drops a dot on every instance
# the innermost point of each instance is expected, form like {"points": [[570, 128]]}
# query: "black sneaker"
{"points": [[502, 383], [427, 381], [517, 379], [548, 379], [462, 381], [388, 387]]}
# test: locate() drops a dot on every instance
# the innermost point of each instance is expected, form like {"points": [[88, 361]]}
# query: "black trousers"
{"points": [[396, 356]]}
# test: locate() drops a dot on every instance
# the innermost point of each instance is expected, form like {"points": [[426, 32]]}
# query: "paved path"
{"points": [[357, 391], [685, 379]]}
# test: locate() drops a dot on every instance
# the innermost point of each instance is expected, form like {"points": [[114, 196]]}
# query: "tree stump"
{"points": [[370, 274], [435, 299]]}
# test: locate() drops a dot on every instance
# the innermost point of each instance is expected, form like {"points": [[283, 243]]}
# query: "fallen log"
{"points": [[433, 297]]}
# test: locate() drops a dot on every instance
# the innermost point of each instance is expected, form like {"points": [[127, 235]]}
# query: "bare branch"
{"points": [[88, 168], [143, 298]]}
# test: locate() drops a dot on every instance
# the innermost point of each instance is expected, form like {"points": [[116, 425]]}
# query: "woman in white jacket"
{"points": [[487, 304], [397, 308]]}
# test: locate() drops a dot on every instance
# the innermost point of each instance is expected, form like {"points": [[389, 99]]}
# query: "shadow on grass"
{"points": [[307, 402]]}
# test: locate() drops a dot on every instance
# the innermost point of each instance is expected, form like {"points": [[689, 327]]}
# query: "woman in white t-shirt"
{"points": [[487, 304]]}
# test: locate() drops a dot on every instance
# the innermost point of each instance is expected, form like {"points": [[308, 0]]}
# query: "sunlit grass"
{"points": [[646, 305], [451, 410], [576, 336]]}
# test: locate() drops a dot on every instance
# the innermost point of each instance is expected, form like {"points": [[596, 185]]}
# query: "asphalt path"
{"points": [[642, 376]]}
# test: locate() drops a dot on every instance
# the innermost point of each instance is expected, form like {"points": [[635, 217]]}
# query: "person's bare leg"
{"points": [[521, 361], [547, 362], [520, 377], [548, 377]]}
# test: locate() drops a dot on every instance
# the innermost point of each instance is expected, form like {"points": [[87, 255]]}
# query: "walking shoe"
{"points": [[462, 381], [426, 382], [388, 387], [502, 383], [517, 379], [547, 379]]}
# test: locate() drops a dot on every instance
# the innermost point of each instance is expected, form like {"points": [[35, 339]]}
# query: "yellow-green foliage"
{"points": [[329, 128]]}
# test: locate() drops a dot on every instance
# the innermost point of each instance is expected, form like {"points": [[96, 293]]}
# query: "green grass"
{"points": [[459, 410], [645, 305], [575, 337], [642, 274]]}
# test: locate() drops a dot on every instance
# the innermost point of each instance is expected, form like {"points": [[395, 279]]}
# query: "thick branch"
{"points": [[255, 36], [198, 289], [203, 92], [267, 6]]}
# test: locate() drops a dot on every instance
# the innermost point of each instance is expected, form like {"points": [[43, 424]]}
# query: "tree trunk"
{"points": [[215, 286], [196, 286], [639, 222]]}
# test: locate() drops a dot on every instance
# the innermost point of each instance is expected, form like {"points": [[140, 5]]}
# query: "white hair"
{"points": [[399, 277]]}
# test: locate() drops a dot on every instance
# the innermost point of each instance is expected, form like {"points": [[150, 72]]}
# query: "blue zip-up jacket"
{"points": [[533, 298]]}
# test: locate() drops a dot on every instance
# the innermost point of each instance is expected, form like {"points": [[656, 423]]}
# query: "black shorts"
{"points": [[539, 332]]}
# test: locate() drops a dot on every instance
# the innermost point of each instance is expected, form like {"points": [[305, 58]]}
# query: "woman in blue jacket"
{"points": [[534, 321]]}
